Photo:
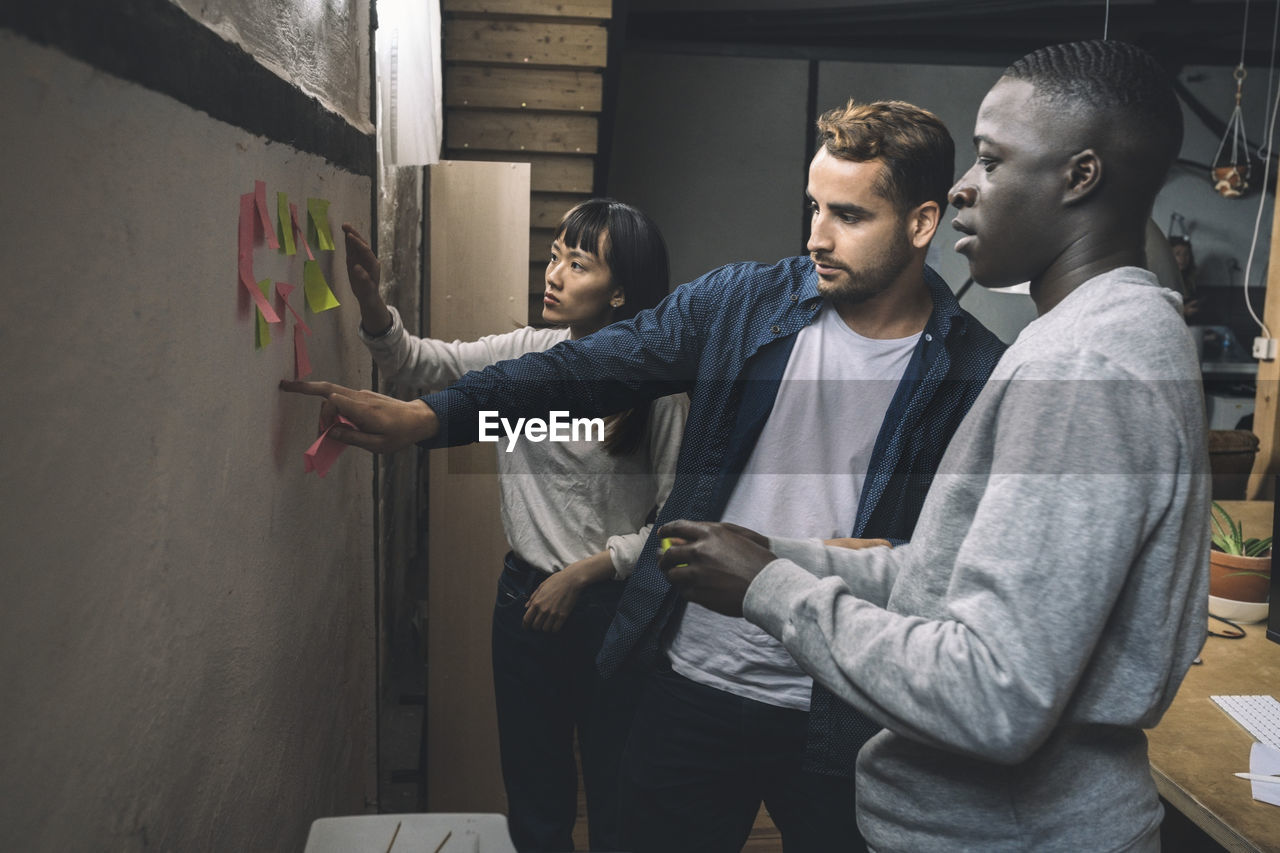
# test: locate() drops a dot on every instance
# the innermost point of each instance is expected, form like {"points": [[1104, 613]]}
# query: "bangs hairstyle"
{"points": [[1117, 82], [914, 144], [631, 246]]}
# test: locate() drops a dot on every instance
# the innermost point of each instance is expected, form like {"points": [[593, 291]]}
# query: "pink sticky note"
{"points": [[283, 225], [321, 455], [301, 361], [260, 199], [246, 260], [299, 232], [284, 290]]}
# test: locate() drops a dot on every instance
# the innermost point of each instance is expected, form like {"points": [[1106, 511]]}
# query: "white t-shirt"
{"points": [[804, 479]]}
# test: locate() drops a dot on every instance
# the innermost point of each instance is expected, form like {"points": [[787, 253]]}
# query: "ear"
{"points": [[922, 223], [1084, 176]]}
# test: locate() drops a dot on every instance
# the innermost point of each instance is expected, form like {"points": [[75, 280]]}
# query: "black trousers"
{"points": [[547, 687], [699, 761]]}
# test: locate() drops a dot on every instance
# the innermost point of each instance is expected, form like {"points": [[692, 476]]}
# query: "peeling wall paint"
{"points": [[321, 46]]}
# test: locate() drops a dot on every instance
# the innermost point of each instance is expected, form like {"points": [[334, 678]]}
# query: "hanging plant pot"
{"points": [[1231, 181], [1231, 173], [1239, 578]]}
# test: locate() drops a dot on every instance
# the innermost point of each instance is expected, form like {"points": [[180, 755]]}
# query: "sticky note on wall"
{"points": [[301, 360], [260, 201], [284, 224], [246, 259], [319, 296], [321, 455], [285, 290], [319, 210], [300, 232], [262, 331]]}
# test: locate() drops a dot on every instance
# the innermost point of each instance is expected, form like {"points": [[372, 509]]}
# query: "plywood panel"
{"points": [[545, 8], [547, 209], [525, 43], [479, 214], [513, 131], [523, 88], [564, 173]]}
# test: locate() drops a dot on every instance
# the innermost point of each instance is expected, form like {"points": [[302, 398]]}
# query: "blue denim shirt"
{"points": [[725, 339]]}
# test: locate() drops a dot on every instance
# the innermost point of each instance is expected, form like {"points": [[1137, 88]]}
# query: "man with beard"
{"points": [[824, 390], [1055, 594]]}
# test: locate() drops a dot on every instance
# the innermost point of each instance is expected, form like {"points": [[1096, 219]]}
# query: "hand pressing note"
{"points": [[382, 424]]}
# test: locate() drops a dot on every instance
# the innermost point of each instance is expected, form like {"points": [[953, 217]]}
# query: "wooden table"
{"points": [[1197, 747]]}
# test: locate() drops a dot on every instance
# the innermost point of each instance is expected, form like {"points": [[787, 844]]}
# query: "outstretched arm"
{"points": [[382, 424], [652, 355]]}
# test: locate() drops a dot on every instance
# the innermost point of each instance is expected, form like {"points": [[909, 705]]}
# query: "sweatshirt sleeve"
{"points": [[984, 642], [869, 575], [666, 430], [431, 363]]}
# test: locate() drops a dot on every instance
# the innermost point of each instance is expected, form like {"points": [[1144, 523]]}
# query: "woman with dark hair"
{"points": [[576, 515]]}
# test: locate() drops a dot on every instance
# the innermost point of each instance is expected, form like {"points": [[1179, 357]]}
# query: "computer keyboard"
{"points": [[1260, 716]]}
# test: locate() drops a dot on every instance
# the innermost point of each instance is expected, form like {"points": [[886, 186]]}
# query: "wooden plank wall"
{"points": [[523, 82]]}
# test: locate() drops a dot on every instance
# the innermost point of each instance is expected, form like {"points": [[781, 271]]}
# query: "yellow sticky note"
{"points": [[319, 296], [665, 543], [319, 210], [284, 224], [262, 332]]}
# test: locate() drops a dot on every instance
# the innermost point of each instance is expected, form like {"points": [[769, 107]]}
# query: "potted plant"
{"points": [[1239, 567]]}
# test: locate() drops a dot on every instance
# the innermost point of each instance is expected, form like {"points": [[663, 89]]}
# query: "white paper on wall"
{"points": [[410, 111]]}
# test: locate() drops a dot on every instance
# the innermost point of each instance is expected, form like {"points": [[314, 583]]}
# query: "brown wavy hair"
{"points": [[913, 143]]}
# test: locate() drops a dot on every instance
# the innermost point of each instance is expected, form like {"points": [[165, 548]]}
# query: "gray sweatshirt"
{"points": [[1049, 605]]}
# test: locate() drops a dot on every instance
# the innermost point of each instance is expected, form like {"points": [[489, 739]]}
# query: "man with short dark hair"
{"points": [[1055, 592], [824, 390]]}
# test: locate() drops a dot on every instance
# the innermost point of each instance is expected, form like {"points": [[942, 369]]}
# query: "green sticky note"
{"points": [[319, 296], [284, 224], [262, 332], [319, 210]]}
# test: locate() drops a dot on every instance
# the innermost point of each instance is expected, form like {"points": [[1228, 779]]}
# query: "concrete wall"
{"points": [[186, 619], [713, 148]]}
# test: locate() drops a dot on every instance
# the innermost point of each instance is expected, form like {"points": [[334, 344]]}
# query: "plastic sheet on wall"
{"points": [[410, 112]]}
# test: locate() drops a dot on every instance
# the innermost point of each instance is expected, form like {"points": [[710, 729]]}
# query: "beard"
{"points": [[874, 276]]}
